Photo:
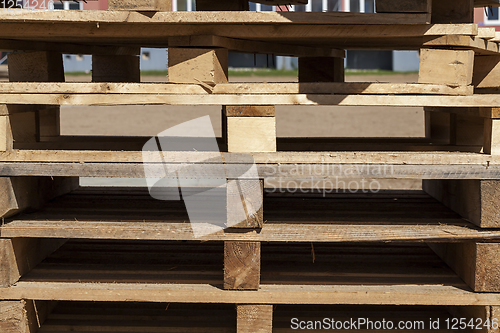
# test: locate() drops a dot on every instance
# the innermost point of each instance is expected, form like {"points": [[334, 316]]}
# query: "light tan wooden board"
{"points": [[109, 88], [268, 294], [106, 28], [483, 100], [214, 17], [480, 46], [306, 158]]}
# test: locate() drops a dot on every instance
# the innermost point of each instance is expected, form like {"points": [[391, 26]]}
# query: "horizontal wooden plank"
{"points": [[481, 46], [235, 88], [271, 232], [486, 33], [337, 217], [215, 17], [271, 170], [486, 3], [68, 48], [267, 294], [250, 46], [307, 158], [483, 100], [326, 35]]}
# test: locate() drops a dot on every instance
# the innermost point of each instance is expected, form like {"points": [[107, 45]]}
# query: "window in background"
{"points": [[492, 16], [334, 6], [360, 6], [67, 5]]}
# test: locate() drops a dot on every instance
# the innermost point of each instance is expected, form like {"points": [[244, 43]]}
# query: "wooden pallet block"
{"points": [[254, 318], [252, 46], [20, 255], [242, 265], [199, 66], [476, 128], [477, 264], [141, 5], [321, 69], [478, 314], [36, 67], [29, 124], [23, 316], [462, 11], [486, 74], [452, 67], [116, 68], [476, 200]]}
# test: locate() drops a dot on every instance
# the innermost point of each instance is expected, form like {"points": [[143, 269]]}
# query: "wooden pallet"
{"points": [[132, 248], [177, 272], [151, 317], [97, 213]]}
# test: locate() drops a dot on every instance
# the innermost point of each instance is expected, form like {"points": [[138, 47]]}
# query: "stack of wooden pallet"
{"points": [[105, 260]]}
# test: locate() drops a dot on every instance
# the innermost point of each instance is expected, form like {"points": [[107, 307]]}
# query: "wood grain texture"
{"points": [[476, 200], [25, 316], [14, 318], [241, 265], [251, 134], [321, 69], [116, 68], [245, 203], [249, 111], [188, 65], [481, 46], [36, 67], [477, 100], [462, 11], [254, 318], [313, 88], [413, 217], [21, 255], [492, 136], [6, 140], [141, 5], [478, 264], [222, 16], [452, 67], [403, 6], [267, 294]]}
